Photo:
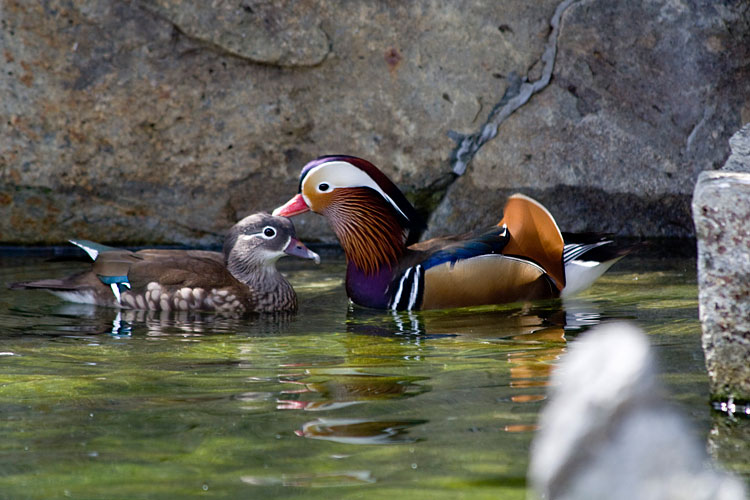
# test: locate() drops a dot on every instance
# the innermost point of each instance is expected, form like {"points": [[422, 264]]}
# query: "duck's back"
{"points": [[177, 280]]}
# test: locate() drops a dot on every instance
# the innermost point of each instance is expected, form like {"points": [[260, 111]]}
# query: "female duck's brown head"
{"points": [[258, 241], [370, 216]]}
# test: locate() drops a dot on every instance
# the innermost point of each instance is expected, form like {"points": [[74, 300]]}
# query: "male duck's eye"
{"points": [[323, 186], [269, 232]]}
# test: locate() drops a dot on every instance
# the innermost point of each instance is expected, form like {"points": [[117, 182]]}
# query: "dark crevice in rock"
{"points": [[516, 95]]}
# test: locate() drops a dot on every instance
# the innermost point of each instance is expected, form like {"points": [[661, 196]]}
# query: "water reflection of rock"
{"points": [[360, 431], [729, 442]]}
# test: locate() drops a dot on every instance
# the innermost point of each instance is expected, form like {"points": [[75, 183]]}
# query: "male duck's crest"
{"points": [[327, 173], [370, 215]]}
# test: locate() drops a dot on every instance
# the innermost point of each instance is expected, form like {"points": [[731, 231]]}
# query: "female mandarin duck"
{"points": [[522, 258], [242, 280]]}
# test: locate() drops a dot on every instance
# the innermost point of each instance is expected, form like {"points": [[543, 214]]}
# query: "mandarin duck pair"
{"points": [[522, 258]]}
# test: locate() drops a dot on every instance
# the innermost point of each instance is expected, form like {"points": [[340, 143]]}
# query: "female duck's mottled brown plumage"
{"points": [[241, 280]]}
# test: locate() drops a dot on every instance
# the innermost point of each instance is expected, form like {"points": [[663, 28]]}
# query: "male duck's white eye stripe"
{"points": [[344, 174]]}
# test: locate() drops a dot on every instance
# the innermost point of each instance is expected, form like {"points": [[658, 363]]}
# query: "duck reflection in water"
{"points": [[155, 324], [360, 431], [533, 336], [323, 389]]}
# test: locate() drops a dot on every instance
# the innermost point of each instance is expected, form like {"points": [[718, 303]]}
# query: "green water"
{"points": [[335, 402]]}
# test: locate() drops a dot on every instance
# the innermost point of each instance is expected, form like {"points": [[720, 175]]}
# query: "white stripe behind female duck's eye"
{"points": [[342, 174], [261, 234]]}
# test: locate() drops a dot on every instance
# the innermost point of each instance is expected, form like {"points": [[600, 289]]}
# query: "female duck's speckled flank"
{"points": [[522, 258], [242, 280]]}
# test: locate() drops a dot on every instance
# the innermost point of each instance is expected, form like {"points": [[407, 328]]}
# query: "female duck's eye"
{"points": [[323, 186], [269, 232]]}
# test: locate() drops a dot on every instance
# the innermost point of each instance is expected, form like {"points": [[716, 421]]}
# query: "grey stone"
{"points": [[721, 208], [156, 121], [739, 160], [607, 433], [283, 33], [636, 109]]}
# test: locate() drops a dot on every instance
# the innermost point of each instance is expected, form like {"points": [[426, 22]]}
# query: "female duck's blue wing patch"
{"points": [[111, 270]]}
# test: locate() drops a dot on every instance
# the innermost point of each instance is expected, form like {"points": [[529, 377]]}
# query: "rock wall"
{"points": [[158, 121]]}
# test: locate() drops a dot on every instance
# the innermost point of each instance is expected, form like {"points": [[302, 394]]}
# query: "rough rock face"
{"points": [[157, 121], [643, 98]]}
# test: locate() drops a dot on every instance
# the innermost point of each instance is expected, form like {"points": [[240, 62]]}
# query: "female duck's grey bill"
{"points": [[296, 248]]}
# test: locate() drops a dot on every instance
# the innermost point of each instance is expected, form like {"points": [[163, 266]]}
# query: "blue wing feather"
{"points": [[491, 242]]}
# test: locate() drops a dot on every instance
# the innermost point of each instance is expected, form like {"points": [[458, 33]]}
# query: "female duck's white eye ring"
{"points": [[323, 187], [268, 232]]}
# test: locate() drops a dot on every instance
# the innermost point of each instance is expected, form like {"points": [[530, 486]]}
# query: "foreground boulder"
{"points": [[606, 432]]}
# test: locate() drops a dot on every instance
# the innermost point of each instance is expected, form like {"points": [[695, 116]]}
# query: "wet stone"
{"points": [[721, 211]]}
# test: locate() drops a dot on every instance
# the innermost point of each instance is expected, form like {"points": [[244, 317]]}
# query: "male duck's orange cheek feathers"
{"points": [[534, 235]]}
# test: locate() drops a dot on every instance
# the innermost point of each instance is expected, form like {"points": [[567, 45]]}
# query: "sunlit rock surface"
{"points": [[607, 433], [721, 208], [157, 121]]}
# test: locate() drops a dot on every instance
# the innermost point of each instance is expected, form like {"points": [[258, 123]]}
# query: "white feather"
{"points": [[581, 274], [80, 297]]}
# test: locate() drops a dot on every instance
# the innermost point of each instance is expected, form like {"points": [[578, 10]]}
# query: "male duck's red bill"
{"points": [[522, 258], [295, 206]]}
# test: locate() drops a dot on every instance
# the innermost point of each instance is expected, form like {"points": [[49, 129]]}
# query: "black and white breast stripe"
{"points": [[409, 289]]}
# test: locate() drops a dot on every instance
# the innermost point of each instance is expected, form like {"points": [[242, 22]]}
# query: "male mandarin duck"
{"points": [[522, 258], [241, 280]]}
